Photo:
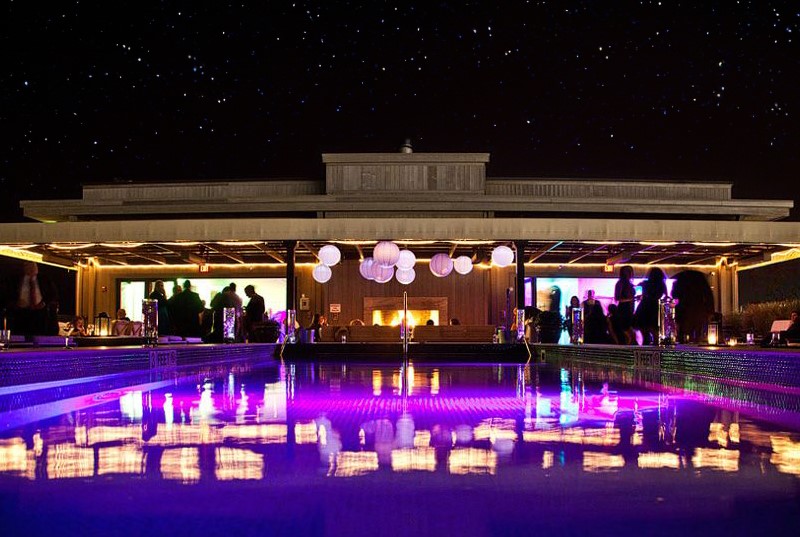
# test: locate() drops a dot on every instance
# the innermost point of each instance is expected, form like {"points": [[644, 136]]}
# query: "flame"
{"points": [[396, 317]]}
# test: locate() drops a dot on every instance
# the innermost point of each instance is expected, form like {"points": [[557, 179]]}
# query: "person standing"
{"points": [[159, 294], [595, 325], [624, 295], [646, 316], [254, 312], [33, 304], [186, 313]]}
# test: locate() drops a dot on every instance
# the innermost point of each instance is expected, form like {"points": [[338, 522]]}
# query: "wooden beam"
{"points": [[624, 257], [547, 249], [230, 255], [272, 253], [586, 254], [314, 251]]}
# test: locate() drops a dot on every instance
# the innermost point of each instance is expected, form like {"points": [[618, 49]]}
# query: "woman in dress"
{"points": [[624, 295], [160, 294], [646, 316]]}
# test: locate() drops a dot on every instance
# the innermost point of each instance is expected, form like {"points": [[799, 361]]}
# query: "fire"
{"points": [[395, 317]]}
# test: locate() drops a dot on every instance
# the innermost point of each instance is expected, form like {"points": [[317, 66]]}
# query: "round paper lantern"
{"points": [[329, 255], [382, 274], [386, 253], [441, 265], [462, 264], [406, 260], [405, 276], [365, 268], [502, 256], [322, 273]]}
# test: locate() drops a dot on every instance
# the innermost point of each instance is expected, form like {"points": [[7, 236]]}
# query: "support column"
{"points": [[520, 281], [727, 288], [291, 304]]}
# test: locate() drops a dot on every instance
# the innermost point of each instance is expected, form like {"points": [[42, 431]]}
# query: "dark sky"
{"points": [[98, 91]]}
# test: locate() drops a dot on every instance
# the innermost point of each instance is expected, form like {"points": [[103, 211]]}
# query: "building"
{"points": [[120, 237]]}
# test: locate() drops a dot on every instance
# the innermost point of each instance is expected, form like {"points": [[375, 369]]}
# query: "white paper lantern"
{"points": [[329, 255], [365, 268], [382, 274], [462, 264], [502, 256], [386, 253], [441, 265], [322, 273], [405, 276], [406, 260]]}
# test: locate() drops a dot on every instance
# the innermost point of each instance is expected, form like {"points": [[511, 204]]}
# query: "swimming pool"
{"points": [[264, 448]]}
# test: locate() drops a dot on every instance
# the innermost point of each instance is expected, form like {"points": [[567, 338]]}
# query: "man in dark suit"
{"points": [[186, 309], [254, 312], [32, 303]]}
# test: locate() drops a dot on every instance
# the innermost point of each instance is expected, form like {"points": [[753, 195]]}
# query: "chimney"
{"points": [[406, 147]]}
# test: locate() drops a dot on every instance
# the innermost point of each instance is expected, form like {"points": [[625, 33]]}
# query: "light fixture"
{"points": [[322, 273], [329, 255], [405, 276], [102, 325], [386, 253], [462, 264], [502, 256], [406, 260], [441, 265], [382, 274], [365, 268]]}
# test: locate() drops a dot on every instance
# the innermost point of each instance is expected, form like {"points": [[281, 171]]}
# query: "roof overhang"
{"points": [[241, 241]]}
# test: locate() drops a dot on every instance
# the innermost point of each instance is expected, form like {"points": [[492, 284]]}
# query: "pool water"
{"points": [[396, 449]]}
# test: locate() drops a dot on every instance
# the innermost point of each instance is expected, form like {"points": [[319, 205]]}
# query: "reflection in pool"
{"points": [[345, 420]]}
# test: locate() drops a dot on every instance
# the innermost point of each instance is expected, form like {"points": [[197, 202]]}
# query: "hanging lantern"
{"points": [[462, 264], [382, 274], [322, 273], [502, 256], [406, 260], [365, 268], [441, 265], [386, 253], [405, 276], [329, 255]]}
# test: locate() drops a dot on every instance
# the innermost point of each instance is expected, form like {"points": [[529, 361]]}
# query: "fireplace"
{"points": [[388, 311]]}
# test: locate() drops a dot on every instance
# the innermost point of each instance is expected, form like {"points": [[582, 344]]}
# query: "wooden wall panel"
{"points": [[467, 296]]}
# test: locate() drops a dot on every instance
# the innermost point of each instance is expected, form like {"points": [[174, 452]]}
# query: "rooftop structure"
{"points": [[429, 202]]}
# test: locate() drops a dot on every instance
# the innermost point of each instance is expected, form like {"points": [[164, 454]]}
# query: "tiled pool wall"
{"points": [[751, 366], [28, 367]]}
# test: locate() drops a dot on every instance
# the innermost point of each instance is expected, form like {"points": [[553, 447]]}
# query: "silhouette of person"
{"points": [[33, 303], [646, 316]]}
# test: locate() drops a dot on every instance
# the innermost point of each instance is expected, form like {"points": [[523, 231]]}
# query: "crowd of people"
{"points": [[632, 312], [185, 314]]}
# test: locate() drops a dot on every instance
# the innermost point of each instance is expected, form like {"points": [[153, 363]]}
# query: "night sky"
{"points": [[115, 90]]}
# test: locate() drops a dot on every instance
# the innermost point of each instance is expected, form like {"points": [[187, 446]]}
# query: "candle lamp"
{"points": [[713, 334], [102, 325]]}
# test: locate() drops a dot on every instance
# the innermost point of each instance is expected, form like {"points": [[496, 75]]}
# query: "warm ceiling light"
{"points": [[122, 244], [239, 243], [71, 246]]}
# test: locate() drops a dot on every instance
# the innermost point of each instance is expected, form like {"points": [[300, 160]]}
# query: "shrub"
{"points": [[758, 317]]}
